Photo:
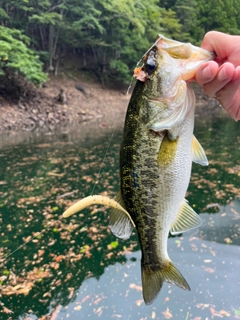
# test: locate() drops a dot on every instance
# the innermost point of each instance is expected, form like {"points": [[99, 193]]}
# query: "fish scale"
{"points": [[158, 162], [156, 155]]}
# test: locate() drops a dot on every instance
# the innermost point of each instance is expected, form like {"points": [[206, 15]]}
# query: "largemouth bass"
{"points": [[156, 156]]}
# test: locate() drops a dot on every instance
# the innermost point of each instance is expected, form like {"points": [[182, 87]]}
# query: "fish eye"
{"points": [[150, 66]]}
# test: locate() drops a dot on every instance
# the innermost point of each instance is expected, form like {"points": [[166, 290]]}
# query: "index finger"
{"points": [[226, 47]]}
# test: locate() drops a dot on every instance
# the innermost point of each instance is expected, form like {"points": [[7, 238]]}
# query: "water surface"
{"points": [[75, 268]]}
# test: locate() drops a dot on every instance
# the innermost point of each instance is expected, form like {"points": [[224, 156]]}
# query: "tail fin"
{"points": [[152, 280]]}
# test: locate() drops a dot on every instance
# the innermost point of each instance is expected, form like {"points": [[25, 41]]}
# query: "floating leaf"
{"points": [[237, 312], [228, 240], [113, 244], [6, 272]]}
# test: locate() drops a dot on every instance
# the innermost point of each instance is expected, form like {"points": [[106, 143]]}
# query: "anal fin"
{"points": [[186, 220], [120, 224]]}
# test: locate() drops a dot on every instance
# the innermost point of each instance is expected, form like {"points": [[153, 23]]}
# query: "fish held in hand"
{"points": [[156, 156]]}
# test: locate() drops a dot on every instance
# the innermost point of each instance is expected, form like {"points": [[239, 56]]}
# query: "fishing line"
{"points": [[155, 43], [104, 158], [52, 223], [32, 237], [100, 169]]}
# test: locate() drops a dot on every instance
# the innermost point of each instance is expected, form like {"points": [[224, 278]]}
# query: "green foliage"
{"points": [[15, 55], [218, 15], [110, 35], [46, 18], [186, 12]]}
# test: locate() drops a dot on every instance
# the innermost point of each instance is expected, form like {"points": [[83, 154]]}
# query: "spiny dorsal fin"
{"points": [[187, 219], [198, 154], [152, 280], [120, 224]]}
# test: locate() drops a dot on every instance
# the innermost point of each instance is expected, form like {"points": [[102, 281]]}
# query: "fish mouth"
{"points": [[187, 56]]}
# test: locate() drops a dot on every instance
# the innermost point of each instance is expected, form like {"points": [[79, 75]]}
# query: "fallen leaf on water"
{"points": [[167, 314], [97, 301], [77, 308], [7, 311], [54, 265], [59, 258], [71, 292], [87, 178], [212, 310], [112, 245], [224, 313], [153, 315], [18, 289], [99, 311], [202, 305], [85, 299], [134, 286], [228, 240], [220, 313], [93, 230], [237, 313], [209, 270], [139, 302], [41, 252]]}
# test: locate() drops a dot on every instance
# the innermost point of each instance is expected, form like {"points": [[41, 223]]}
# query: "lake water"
{"points": [[75, 268]]}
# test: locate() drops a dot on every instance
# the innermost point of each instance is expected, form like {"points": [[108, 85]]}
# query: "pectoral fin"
{"points": [[198, 153], [121, 224], [187, 219]]}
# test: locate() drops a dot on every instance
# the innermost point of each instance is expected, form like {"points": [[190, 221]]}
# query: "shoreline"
{"points": [[46, 112]]}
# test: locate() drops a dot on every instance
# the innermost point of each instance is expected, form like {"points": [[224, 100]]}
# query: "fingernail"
{"points": [[236, 75], [206, 73], [222, 75]]}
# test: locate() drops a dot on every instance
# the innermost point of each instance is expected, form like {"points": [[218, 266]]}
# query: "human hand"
{"points": [[221, 78]]}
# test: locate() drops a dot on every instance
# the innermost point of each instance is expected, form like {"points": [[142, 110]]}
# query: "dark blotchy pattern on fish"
{"points": [[138, 165]]}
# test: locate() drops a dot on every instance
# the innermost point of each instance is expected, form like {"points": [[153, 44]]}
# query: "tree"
{"points": [[186, 12], [16, 55], [218, 15], [16, 60]]}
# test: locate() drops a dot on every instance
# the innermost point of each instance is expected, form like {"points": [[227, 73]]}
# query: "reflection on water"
{"points": [[75, 268]]}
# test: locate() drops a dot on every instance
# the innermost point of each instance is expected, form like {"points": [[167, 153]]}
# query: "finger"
{"points": [[206, 72], [221, 43], [229, 96], [224, 75]]}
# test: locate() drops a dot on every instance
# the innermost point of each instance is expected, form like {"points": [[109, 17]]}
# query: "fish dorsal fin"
{"points": [[187, 219], [198, 154], [121, 224]]}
